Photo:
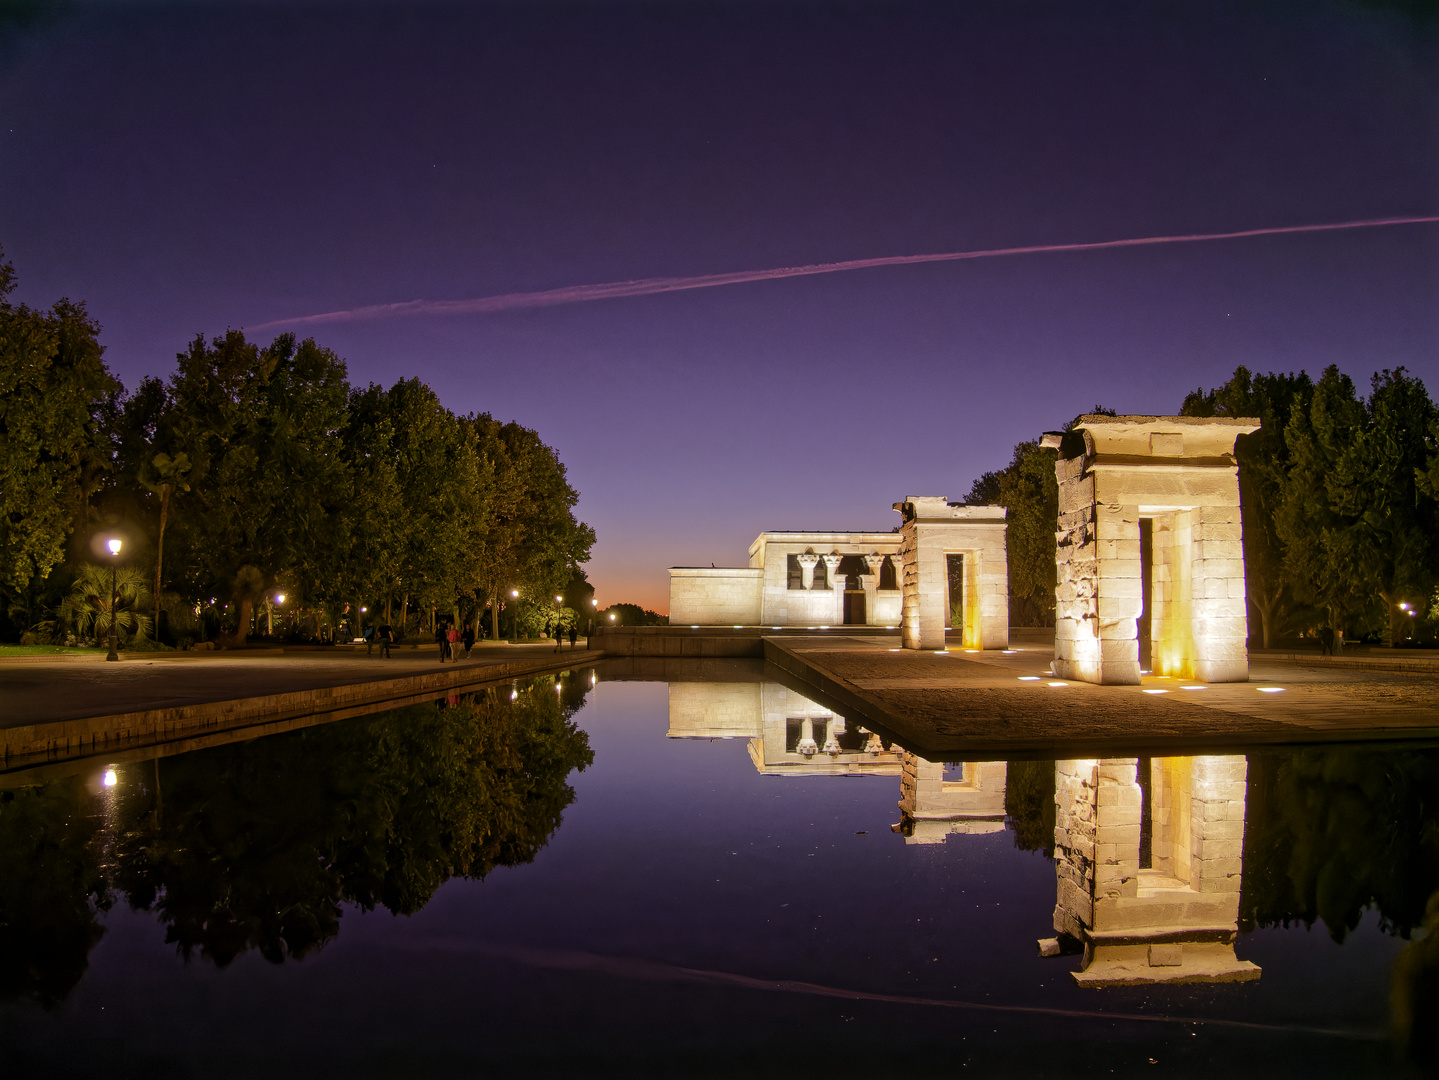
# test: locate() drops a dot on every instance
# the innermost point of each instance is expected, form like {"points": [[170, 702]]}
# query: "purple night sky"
{"points": [[198, 166]]}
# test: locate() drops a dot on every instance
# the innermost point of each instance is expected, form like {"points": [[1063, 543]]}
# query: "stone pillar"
{"points": [[836, 584], [870, 584], [807, 563], [933, 529], [1179, 473], [806, 745], [833, 728]]}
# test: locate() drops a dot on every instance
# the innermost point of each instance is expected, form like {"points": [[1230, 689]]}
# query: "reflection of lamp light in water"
{"points": [[514, 695], [110, 778]]}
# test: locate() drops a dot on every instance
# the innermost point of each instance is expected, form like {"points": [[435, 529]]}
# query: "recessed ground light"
{"points": [[824, 627], [1156, 691], [941, 652], [1059, 684], [1010, 652], [971, 650], [1144, 671], [1193, 688], [1029, 678], [694, 627], [737, 627], [896, 650], [1271, 689], [776, 627]]}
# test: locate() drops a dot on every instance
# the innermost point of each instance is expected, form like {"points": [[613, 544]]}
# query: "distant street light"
{"points": [[114, 545], [280, 598]]}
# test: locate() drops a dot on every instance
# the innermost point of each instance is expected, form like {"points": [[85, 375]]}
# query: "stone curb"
{"points": [[92, 734]]}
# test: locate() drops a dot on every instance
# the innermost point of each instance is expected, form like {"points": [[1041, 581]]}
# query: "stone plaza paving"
{"points": [[965, 702]]}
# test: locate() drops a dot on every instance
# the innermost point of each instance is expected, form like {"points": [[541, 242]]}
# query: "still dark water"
{"points": [[643, 878]]}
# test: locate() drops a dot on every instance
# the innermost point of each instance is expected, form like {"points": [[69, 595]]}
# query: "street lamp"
{"points": [[114, 545]]}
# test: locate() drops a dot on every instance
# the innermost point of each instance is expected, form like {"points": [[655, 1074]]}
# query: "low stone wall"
{"points": [[26, 744]]}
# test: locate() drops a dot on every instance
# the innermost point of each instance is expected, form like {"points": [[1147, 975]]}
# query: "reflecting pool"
{"points": [[710, 873]]}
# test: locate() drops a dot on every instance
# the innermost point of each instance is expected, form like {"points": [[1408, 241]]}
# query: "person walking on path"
{"points": [[442, 641], [574, 634], [369, 640], [452, 637], [386, 635], [468, 639]]}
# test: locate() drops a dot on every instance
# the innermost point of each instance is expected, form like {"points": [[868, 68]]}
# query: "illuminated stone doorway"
{"points": [[1150, 556], [956, 573]]}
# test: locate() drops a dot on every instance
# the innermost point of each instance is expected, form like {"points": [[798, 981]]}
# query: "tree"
{"points": [[1263, 458], [532, 541], [1355, 519], [262, 429], [168, 474], [54, 392], [1028, 491], [1323, 557]]}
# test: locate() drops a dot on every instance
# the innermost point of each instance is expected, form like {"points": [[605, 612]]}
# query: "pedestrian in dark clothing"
{"points": [[369, 639], [468, 639], [386, 635], [574, 634], [443, 641]]}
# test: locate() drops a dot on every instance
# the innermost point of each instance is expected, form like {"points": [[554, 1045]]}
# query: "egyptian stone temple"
{"points": [[1148, 859], [945, 568], [1150, 560]]}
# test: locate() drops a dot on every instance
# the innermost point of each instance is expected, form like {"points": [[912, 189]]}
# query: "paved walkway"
{"points": [[41, 689], [960, 701]]}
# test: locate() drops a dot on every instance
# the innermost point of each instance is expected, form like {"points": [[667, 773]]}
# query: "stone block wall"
{"points": [[708, 596], [1179, 472]]}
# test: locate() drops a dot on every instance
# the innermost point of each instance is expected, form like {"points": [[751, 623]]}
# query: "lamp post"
{"points": [[114, 545]]}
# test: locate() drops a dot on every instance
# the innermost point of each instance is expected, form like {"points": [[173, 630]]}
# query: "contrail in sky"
{"points": [[574, 294]]}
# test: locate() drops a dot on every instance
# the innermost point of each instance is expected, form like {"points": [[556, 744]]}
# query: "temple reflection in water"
{"points": [[1148, 855], [1148, 851]]}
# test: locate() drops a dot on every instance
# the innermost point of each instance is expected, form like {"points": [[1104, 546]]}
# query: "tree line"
{"points": [[1340, 503], [257, 471]]}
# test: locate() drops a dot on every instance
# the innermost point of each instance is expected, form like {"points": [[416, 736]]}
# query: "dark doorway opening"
{"points": [[954, 619], [854, 609], [1146, 588], [1146, 813]]}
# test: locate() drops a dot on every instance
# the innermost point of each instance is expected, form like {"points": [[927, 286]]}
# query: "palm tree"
{"points": [[169, 473], [86, 611]]}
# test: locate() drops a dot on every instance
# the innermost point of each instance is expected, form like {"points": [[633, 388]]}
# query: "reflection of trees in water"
{"points": [[1029, 804], [50, 889], [257, 845], [1332, 832]]}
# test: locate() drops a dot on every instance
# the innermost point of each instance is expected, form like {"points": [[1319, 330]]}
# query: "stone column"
{"points": [[807, 745], [833, 728], [870, 583], [807, 563], [836, 584]]}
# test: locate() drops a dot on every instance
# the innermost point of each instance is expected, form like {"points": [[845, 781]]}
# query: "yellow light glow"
{"points": [[114, 546], [1156, 691], [1059, 684], [1271, 689], [1193, 688], [280, 599], [1029, 678], [110, 778]]}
